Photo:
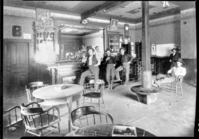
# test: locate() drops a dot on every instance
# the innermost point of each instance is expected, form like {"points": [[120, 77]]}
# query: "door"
{"points": [[17, 61]]}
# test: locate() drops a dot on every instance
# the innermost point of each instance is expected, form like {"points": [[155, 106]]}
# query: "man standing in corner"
{"points": [[93, 63], [126, 59], [174, 57]]}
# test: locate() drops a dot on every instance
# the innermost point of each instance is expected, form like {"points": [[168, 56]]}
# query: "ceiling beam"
{"points": [[166, 13], [105, 6], [121, 19]]}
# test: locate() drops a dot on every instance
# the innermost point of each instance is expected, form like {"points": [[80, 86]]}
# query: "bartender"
{"points": [[126, 59], [93, 63]]}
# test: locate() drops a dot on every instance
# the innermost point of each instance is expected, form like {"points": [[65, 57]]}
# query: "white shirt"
{"points": [[178, 71], [90, 60], [84, 59], [99, 55]]}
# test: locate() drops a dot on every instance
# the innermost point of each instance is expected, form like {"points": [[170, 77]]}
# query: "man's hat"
{"points": [[122, 48], [180, 60], [108, 50], [91, 49], [173, 49]]}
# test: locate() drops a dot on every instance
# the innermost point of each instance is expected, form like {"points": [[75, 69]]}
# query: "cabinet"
{"points": [[114, 41]]}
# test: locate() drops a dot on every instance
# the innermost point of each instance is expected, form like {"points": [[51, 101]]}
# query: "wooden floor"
{"points": [[171, 115]]}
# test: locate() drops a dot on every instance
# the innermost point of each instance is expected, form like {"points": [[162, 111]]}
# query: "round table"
{"points": [[107, 130], [59, 94]]}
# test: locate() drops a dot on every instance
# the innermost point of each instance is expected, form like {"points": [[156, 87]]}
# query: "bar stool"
{"points": [[90, 77]]}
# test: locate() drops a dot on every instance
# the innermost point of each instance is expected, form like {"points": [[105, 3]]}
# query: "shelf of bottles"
{"points": [[114, 43]]}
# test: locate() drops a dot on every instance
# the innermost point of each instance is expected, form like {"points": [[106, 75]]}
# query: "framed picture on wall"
{"points": [[43, 16], [113, 24]]}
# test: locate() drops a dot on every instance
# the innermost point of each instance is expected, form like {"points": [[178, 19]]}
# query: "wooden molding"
{"points": [[30, 13]]}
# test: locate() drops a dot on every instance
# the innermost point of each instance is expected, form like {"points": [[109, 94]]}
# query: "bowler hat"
{"points": [[108, 50], [173, 49], [91, 49], [180, 60]]}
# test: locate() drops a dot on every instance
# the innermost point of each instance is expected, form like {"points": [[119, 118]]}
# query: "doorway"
{"points": [[16, 64]]}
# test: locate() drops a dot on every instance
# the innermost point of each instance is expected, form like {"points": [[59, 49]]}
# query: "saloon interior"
{"points": [[43, 42]]}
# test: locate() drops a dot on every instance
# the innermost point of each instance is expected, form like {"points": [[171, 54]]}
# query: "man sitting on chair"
{"points": [[93, 63], [177, 73]]}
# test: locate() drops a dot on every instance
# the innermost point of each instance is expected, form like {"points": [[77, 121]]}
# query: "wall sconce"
{"points": [[165, 4]]}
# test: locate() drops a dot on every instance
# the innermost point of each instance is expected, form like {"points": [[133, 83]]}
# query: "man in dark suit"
{"points": [[174, 57]]}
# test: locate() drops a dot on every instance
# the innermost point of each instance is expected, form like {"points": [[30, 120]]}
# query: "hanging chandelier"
{"points": [[165, 4]]}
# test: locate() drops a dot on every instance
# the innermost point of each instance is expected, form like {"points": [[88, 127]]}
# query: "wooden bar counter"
{"points": [[63, 69]]}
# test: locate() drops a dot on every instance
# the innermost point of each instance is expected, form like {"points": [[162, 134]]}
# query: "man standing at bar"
{"points": [[98, 53], [110, 67], [126, 59], [93, 63]]}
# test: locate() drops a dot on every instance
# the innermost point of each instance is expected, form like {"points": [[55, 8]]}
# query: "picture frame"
{"points": [[113, 24], [124, 131], [43, 16]]}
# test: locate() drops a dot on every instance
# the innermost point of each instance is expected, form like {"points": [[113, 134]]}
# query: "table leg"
{"points": [[53, 76], [77, 102], [69, 104]]}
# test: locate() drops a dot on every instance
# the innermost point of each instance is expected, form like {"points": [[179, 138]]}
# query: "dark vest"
{"points": [[94, 60]]}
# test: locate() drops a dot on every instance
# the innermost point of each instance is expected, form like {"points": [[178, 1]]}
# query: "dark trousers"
{"points": [[110, 71], [91, 70], [173, 63]]}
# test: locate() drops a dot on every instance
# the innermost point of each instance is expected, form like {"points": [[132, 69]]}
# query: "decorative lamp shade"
{"points": [[126, 30]]}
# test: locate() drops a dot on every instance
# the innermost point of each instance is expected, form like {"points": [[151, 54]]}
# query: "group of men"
{"points": [[95, 61], [113, 64]]}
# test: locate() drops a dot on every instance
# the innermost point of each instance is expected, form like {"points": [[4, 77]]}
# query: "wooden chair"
{"points": [[87, 115], [176, 85], [30, 88], [89, 77], [36, 120], [90, 93], [12, 118]]}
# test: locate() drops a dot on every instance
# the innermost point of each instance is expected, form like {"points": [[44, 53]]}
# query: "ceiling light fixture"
{"points": [[84, 21], [165, 4]]}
